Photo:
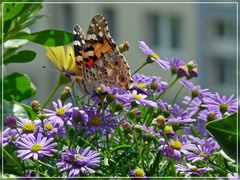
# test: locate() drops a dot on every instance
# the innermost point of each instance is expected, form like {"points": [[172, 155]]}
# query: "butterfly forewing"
{"points": [[101, 61]]}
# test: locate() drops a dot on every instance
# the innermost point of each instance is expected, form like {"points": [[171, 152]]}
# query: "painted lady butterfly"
{"points": [[98, 60]]}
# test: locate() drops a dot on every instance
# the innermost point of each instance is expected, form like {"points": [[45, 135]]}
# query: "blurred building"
{"points": [[203, 32]]}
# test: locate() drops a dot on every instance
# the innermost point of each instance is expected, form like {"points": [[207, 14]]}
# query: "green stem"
{"points": [[53, 93], [140, 68], [167, 89], [176, 96]]}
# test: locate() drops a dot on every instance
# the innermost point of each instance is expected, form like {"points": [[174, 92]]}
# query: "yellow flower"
{"points": [[62, 57]]}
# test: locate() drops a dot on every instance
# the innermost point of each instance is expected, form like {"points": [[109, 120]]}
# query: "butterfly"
{"points": [[98, 60]]}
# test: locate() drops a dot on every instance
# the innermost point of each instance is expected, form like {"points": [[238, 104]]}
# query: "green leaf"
{"points": [[18, 87], [225, 133], [21, 57], [47, 37], [11, 10], [31, 114], [12, 164]]}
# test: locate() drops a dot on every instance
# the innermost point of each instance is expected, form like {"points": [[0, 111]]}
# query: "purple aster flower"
{"points": [[150, 132], [144, 83], [191, 170], [9, 136], [224, 104], [140, 99], [193, 105], [146, 50], [79, 161], [179, 115], [27, 126], [210, 114], [138, 173], [57, 116], [202, 150], [174, 148], [175, 64], [99, 121], [196, 89], [35, 146], [50, 129]]}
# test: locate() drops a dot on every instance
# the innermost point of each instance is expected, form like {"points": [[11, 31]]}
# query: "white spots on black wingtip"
{"points": [[76, 43], [91, 24], [100, 34], [91, 36]]}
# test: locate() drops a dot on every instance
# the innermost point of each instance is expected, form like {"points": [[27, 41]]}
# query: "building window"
{"points": [[224, 29], [109, 14], [176, 32], [225, 71], [153, 29]]}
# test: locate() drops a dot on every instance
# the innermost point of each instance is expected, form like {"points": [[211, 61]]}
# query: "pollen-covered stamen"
{"points": [[49, 126], [36, 147], [202, 154], [176, 145], [28, 127], [95, 121], [60, 111]]}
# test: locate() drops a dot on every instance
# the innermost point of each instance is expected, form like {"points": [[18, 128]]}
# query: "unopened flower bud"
{"points": [[42, 116], [123, 47], [160, 120], [66, 93], [11, 121], [134, 113], [138, 172], [35, 105]]}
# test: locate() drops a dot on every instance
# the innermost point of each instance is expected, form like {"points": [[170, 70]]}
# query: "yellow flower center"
{"points": [[79, 156], [194, 168], [28, 127], [141, 85], [223, 108], [60, 111], [138, 172], [155, 56], [202, 154], [95, 121], [168, 129], [211, 117], [36, 147], [49, 126], [136, 96], [176, 145]]}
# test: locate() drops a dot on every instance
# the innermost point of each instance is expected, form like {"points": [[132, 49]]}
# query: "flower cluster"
{"points": [[134, 132]]}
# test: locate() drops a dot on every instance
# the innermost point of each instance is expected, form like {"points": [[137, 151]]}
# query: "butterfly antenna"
{"points": [[50, 69]]}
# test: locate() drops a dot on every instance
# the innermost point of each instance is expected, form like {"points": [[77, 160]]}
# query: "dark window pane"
{"points": [[176, 32], [153, 29]]}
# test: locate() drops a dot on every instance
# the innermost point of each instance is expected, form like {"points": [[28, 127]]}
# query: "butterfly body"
{"points": [[98, 60]]}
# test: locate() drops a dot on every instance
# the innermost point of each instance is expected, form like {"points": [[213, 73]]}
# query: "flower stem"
{"points": [[54, 91], [140, 68], [175, 98], [167, 89]]}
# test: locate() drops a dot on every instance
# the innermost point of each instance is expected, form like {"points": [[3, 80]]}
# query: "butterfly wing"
{"points": [[103, 62], [78, 45]]}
